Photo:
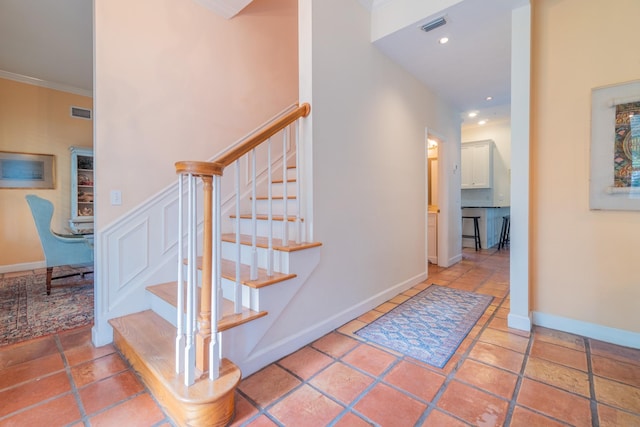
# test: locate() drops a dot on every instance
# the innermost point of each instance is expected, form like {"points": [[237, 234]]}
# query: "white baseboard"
{"points": [[451, 261], [517, 321], [292, 343], [589, 330], [22, 267]]}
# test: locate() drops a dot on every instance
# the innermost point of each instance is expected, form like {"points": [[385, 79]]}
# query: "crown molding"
{"points": [[226, 8], [44, 83], [373, 4]]}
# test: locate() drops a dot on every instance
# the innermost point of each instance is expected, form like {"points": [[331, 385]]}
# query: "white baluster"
{"points": [[254, 220], [190, 351], [180, 327], [298, 184], [270, 212], [216, 280], [238, 284], [285, 223]]}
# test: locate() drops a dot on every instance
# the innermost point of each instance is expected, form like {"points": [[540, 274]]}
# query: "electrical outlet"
{"points": [[116, 197]]}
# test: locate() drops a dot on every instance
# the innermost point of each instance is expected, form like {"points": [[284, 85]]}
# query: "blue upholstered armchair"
{"points": [[59, 249]]}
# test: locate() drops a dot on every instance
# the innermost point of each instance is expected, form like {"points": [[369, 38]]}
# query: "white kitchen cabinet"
{"points": [[477, 165], [81, 190]]}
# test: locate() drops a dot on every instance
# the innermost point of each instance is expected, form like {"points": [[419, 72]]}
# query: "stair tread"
{"points": [[229, 273], [275, 197], [168, 292], [280, 180], [263, 242], [152, 339], [290, 218]]}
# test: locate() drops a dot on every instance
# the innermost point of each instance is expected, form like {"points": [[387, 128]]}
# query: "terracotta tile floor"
{"points": [[497, 377]]}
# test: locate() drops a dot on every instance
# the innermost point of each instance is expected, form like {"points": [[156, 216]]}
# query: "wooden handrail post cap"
{"points": [[199, 168]]}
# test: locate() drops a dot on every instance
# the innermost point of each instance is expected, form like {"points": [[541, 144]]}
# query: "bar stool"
{"points": [[504, 233], [476, 231]]}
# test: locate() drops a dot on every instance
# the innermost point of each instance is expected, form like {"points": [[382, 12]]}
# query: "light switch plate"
{"points": [[116, 197]]}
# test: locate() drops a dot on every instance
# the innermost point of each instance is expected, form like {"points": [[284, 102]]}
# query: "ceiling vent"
{"points": [[81, 113], [439, 22]]}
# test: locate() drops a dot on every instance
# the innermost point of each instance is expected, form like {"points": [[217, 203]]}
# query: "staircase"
{"points": [[243, 278]]}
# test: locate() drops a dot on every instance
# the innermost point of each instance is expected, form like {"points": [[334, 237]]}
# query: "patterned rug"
{"points": [[429, 326], [28, 312]]}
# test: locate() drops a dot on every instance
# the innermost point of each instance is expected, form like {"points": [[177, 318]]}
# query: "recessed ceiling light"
{"points": [[473, 114], [482, 122], [443, 40], [489, 98]]}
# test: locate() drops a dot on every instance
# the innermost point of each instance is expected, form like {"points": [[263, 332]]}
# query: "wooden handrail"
{"points": [[253, 141], [216, 166]]}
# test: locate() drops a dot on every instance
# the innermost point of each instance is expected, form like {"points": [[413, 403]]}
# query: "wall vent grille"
{"points": [[81, 113], [433, 24]]}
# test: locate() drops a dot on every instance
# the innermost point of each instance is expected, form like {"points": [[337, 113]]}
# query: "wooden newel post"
{"points": [[203, 337]]}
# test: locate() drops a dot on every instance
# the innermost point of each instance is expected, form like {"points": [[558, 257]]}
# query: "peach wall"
{"points": [[583, 263], [174, 81], [37, 120]]}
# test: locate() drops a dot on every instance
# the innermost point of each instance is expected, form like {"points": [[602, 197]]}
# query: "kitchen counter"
{"points": [[490, 224]]}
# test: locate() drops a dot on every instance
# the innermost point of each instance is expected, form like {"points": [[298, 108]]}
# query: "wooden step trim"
{"points": [[232, 319], [169, 293], [261, 217], [281, 181], [263, 242], [147, 341], [229, 273]]}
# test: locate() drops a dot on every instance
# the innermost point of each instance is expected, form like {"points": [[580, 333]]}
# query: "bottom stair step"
{"points": [[148, 343]]}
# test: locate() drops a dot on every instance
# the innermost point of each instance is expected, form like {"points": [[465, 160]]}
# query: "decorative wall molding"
{"points": [[225, 8], [43, 83]]}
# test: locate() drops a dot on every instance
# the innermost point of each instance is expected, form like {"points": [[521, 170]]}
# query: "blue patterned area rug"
{"points": [[430, 325]]}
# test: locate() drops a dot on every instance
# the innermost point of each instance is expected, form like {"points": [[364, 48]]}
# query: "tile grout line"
{"points": [[593, 402], [514, 398], [74, 389]]}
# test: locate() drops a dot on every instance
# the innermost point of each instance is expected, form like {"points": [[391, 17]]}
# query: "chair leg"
{"points": [[49, 275]]}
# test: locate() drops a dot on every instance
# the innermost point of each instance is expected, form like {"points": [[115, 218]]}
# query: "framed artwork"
{"points": [[615, 147], [22, 170]]}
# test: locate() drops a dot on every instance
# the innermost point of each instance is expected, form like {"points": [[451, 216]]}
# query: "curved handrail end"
{"points": [[306, 109], [198, 168]]}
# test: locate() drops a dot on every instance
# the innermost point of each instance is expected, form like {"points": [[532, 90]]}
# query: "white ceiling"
{"points": [[51, 40], [474, 64]]}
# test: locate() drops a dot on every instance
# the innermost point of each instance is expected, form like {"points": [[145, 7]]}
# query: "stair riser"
{"points": [[263, 228], [291, 173], [250, 296], [262, 207], [280, 259], [277, 189]]}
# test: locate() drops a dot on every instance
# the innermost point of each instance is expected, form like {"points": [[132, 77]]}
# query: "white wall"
{"points": [[369, 118], [500, 133]]}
